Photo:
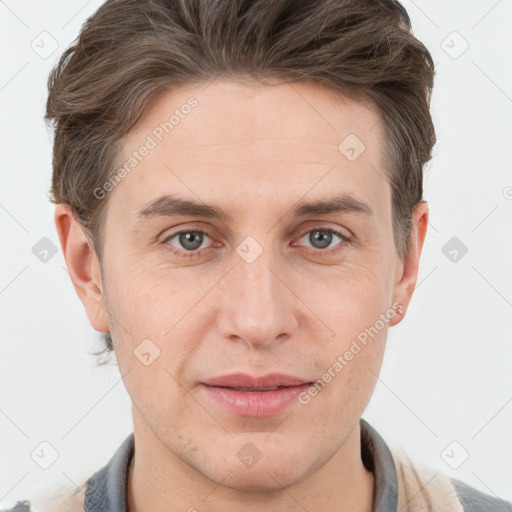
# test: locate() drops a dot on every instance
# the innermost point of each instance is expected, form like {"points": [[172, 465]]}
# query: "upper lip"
{"points": [[243, 380]]}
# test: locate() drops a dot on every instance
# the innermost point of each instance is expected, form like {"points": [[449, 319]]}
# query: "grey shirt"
{"points": [[106, 489]]}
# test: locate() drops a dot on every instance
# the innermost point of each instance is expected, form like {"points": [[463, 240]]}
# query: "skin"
{"points": [[293, 310]]}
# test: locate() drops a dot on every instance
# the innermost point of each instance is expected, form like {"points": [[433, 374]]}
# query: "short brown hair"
{"points": [[131, 50]]}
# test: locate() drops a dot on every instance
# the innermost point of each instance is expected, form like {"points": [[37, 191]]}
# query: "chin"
{"points": [[264, 479], [271, 470]]}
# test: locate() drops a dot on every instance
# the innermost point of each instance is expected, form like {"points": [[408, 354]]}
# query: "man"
{"points": [[238, 189]]}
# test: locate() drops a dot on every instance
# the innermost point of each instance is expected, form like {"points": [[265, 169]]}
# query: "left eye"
{"points": [[321, 238]]}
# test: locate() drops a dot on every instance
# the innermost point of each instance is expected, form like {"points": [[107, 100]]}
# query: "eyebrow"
{"points": [[171, 206]]}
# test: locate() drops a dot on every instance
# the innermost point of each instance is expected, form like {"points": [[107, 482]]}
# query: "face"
{"points": [[254, 238]]}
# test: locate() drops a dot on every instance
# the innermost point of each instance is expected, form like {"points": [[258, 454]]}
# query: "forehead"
{"points": [[206, 139], [227, 111]]}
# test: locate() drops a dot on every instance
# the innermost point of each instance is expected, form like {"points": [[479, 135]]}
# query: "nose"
{"points": [[258, 307]]}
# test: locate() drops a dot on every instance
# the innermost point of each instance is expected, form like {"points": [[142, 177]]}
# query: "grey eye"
{"points": [[189, 240], [321, 238]]}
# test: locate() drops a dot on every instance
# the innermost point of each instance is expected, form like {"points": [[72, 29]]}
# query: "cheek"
{"points": [[349, 300], [165, 316], [355, 306], [153, 301], [347, 379]]}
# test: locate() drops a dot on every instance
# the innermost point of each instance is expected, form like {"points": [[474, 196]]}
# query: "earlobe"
{"points": [[407, 270], [83, 266]]}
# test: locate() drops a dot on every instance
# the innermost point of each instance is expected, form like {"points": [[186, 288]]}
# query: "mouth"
{"points": [[251, 396], [255, 390]]}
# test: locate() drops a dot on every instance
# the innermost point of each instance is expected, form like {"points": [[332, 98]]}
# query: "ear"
{"points": [[407, 269], [83, 266]]}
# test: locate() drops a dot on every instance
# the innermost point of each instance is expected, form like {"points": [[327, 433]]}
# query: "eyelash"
{"points": [[192, 254]]}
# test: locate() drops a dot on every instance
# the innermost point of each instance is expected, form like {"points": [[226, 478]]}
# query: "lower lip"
{"points": [[255, 403]]}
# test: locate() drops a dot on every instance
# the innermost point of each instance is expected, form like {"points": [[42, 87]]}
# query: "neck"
{"points": [[160, 481]]}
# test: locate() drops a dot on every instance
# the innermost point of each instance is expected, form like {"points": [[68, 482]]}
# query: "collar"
{"points": [[106, 489], [377, 458]]}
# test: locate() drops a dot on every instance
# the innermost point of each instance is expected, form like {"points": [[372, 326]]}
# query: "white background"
{"points": [[447, 371]]}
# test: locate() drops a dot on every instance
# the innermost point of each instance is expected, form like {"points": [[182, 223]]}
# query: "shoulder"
{"points": [[422, 485], [101, 485], [474, 500], [28, 506], [65, 500], [21, 506]]}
